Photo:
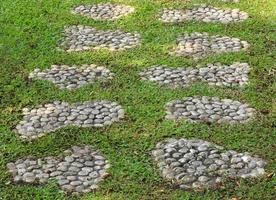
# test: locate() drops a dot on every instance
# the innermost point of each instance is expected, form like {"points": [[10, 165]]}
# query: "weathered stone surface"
{"points": [[81, 38], [209, 110], [203, 165], [214, 74], [103, 11], [50, 117], [203, 13], [70, 178], [200, 45], [72, 77]]}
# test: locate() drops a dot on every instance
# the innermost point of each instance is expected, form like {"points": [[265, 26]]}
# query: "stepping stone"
{"points": [[209, 110], [213, 74], [50, 117], [198, 164], [66, 77], [80, 38], [203, 13], [200, 45], [78, 170], [103, 11]]}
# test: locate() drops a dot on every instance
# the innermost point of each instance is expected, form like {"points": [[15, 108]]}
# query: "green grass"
{"points": [[30, 30]]}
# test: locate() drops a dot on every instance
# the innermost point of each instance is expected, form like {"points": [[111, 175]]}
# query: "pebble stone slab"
{"points": [[203, 13], [80, 171], [102, 11], [209, 110], [66, 77], [213, 74], [50, 117], [197, 164], [81, 38], [200, 45]]}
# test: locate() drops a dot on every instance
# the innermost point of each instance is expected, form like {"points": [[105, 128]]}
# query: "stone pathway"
{"points": [[213, 74], [203, 13], [197, 164], [80, 38], [103, 11], [50, 117], [200, 45], [66, 77], [189, 163], [209, 110], [79, 171]]}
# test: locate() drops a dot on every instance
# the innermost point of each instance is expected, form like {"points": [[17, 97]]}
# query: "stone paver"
{"points": [[214, 74], [81, 38], [189, 163], [72, 77], [79, 171], [103, 11], [203, 13], [209, 110], [198, 164], [50, 117], [200, 45]]}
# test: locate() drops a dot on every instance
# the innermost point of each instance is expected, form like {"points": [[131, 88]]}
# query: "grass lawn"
{"points": [[29, 33]]}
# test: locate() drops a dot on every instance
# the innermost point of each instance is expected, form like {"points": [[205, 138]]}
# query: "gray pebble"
{"points": [[200, 45], [194, 170], [65, 76], [203, 13], [76, 176], [75, 114], [221, 76], [103, 11], [82, 38], [177, 109]]}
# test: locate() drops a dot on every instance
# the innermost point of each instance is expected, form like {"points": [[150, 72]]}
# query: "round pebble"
{"points": [[209, 110], [66, 77], [199, 45], [103, 11], [81, 38], [77, 181], [203, 13], [50, 117], [202, 165], [214, 74]]}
